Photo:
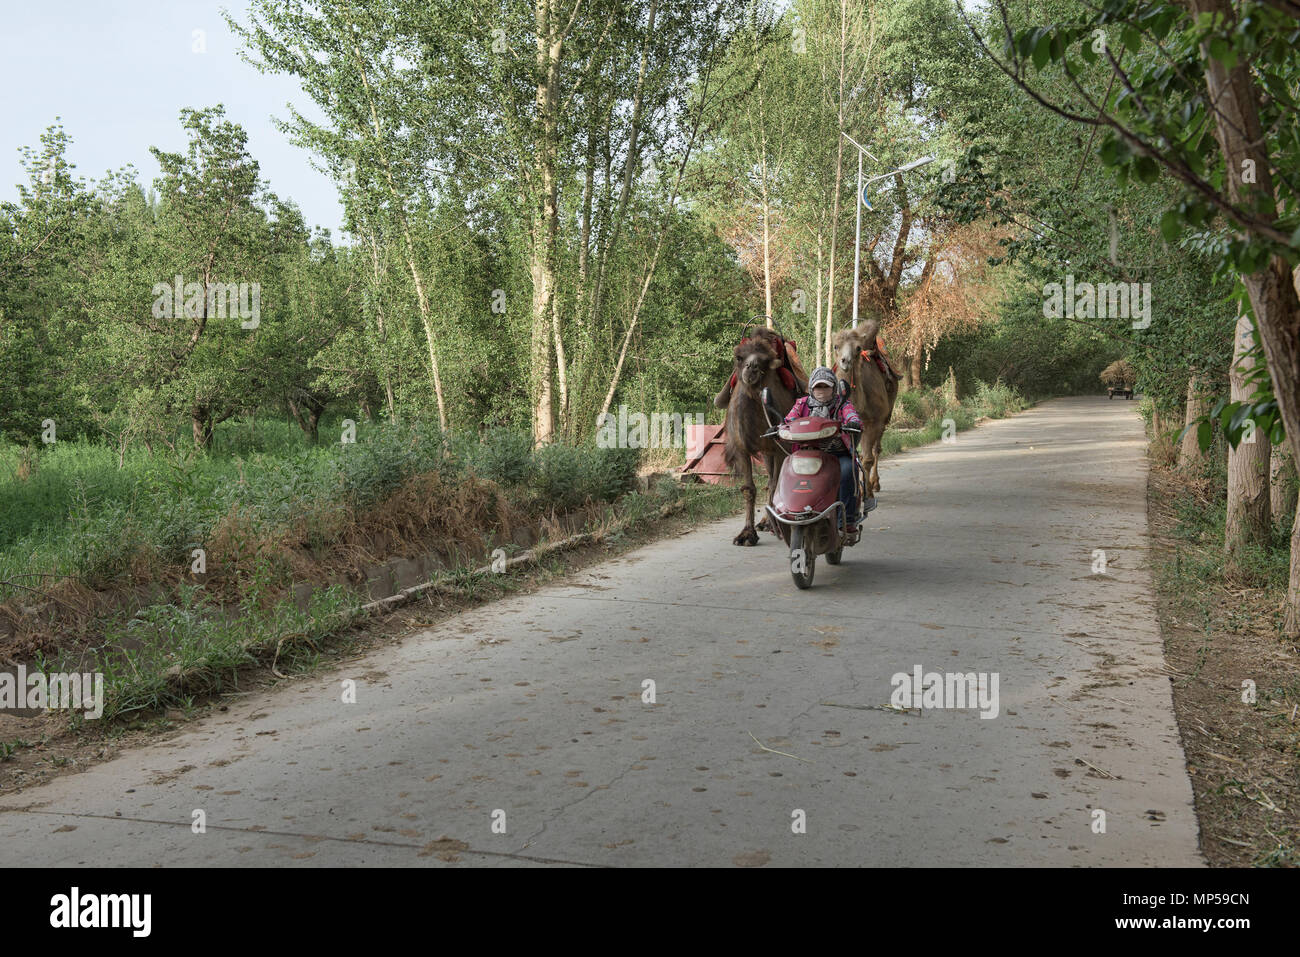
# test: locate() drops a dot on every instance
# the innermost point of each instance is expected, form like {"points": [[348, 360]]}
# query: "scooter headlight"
{"points": [[806, 465]]}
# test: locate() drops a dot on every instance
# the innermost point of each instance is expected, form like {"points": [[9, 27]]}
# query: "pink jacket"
{"points": [[845, 415]]}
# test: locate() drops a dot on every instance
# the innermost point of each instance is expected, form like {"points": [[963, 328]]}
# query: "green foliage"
{"points": [[995, 401], [1038, 356], [164, 654], [80, 515], [505, 456], [369, 472], [569, 476], [915, 407], [922, 416]]}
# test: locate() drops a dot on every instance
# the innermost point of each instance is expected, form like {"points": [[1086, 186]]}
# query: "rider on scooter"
{"points": [[825, 401]]}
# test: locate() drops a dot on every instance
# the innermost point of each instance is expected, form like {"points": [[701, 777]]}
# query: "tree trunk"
{"points": [[817, 309], [545, 223], [426, 320], [1248, 485], [584, 240], [204, 422], [918, 352], [1190, 454], [561, 365], [201, 425], [314, 409], [398, 205], [1291, 620], [767, 210], [379, 320], [541, 350], [1282, 482], [297, 416], [1272, 288]]}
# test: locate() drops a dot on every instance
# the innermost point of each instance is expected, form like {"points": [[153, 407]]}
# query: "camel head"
{"points": [[847, 348], [755, 361], [849, 344]]}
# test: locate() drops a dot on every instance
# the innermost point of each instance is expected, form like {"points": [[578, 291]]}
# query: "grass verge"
{"points": [[922, 416], [169, 662]]}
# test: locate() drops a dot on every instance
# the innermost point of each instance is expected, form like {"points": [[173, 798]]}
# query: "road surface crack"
{"points": [[313, 838], [564, 807]]}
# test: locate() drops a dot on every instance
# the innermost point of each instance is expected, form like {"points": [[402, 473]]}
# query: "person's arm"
{"points": [[849, 417], [797, 411]]}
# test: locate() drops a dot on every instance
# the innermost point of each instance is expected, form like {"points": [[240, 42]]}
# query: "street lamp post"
{"points": [[857, 230]]}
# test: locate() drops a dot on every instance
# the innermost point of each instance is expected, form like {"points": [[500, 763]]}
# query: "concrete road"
{"points": [[517, 734]]}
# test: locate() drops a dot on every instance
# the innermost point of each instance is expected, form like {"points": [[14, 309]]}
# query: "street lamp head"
{"points": [[915, 163], [905, 168]]}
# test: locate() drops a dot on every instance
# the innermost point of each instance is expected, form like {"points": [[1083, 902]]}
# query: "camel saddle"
{"points": [[881, 360]]}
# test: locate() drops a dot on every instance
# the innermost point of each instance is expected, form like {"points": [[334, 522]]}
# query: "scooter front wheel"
{"points": [[803, 561]]}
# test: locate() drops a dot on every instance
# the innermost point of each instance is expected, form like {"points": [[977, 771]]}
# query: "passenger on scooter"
{"points": [[825, 401]]}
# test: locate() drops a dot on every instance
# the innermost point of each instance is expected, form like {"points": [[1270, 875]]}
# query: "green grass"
{"points": [[1199, 562], [163, 655], [82, 514], [9, 748], [919, 415], [79, 515]]}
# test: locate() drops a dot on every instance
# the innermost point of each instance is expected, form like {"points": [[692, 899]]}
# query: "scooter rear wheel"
{"points": [[833, 558], [803, 562]]}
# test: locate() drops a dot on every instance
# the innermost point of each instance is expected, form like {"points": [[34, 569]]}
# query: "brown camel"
{"points": [[871, 391], [756, 365], [782, 348]]}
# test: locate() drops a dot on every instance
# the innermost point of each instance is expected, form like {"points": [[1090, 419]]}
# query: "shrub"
{"points": [[504, 456], [567, 476], [912, 404], [372, 470], [996, 400]]}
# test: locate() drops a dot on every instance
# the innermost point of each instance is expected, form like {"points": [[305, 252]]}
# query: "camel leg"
{"points": [[774, 463], [747, 534], [875, 465], [763, 523]]}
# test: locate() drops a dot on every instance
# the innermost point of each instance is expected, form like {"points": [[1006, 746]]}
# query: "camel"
{"points": [[756, 366], [784, 349], [871, 391]]}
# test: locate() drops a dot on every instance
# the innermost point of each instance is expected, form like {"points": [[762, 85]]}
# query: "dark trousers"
{"points": [[848, 486]]}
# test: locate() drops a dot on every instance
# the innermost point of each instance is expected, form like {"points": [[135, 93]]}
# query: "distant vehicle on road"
{"points": [[1119, 378]]}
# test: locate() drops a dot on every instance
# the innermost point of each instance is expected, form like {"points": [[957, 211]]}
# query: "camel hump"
{"points": [[870, 332]]}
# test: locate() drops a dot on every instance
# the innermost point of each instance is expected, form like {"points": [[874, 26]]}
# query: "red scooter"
{"points": [[806, 511]]}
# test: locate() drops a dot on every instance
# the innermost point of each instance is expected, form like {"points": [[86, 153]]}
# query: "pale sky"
{"points": [[118, 72]]}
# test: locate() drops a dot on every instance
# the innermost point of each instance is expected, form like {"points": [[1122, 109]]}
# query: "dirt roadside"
{"points": [[1243, 757]]}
